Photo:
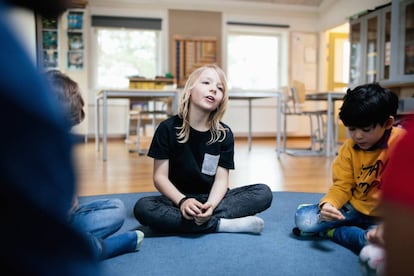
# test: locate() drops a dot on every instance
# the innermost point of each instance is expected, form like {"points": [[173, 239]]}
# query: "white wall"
{"points": [[339, 11]]}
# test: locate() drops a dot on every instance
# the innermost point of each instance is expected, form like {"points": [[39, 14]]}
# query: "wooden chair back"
{"points": [[299, 93]]}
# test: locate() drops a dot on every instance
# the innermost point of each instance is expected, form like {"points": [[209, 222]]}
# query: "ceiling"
{"points": [[307, 4], [310, 3]]}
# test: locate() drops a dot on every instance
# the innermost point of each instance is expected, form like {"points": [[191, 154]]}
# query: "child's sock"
{"points": [[372, 260], [249, 224], [330, 233], [122, 243], [140, 238], [327, 234]]}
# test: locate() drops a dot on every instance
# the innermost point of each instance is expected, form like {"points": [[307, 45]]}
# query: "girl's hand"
{"points": [[191, 208], [330, 213], [205, 215]]}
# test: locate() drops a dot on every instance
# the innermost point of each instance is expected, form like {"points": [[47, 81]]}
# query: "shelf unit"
{"points": [[75, 39], [370, 45], [61, 39], [192, 53], [48, 45], [407, 35], [144, 83]]}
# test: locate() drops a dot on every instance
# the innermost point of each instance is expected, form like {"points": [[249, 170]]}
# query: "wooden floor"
{"points": [[126, 172]]}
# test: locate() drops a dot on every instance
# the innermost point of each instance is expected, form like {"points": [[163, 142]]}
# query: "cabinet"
{"points": [[356, 49], [370, 41], [382, 46], [406, 32]]}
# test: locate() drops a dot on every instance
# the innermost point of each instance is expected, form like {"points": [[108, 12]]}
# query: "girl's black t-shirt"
{"points": [[192, 165]]}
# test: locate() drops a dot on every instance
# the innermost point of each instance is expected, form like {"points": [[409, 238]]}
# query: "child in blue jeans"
{"points": [[350, 207], [101, 218]]}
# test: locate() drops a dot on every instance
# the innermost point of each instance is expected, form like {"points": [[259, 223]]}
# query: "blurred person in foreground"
{"points": [[392, 243], [36, 169], [398, 200]]}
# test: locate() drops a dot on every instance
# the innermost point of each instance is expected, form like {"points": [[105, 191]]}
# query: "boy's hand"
{"points": [[330, 213], [376, 235]]}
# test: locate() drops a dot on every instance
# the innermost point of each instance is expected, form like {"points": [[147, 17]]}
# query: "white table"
{"points": [[154, 95], [250, 95], [330, 97], [137, 94]]}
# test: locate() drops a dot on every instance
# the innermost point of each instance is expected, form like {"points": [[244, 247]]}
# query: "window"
{"points": [[255, 57], [125, 46], [125, 52]]}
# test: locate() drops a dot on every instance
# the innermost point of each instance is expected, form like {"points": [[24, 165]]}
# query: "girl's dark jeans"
{"points": [[161, 214]]}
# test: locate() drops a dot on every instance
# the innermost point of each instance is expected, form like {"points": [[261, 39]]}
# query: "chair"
{"points": [[144, 116], [294, 105]]}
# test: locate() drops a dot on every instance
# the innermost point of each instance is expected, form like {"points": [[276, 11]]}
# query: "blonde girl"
{"points": [[193, 153]]}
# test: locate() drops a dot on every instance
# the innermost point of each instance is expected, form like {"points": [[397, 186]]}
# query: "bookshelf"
{"points": [[192, 53]]}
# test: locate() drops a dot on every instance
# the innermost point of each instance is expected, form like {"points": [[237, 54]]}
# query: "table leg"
{"points": [[175, 103], [329, 136], [104, 126], [97, 123], [278, 125], [249, 138]]}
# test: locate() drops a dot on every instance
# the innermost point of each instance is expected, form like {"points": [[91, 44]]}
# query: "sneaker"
{"points": [[303, 205], [140, 238], [299, 233]]}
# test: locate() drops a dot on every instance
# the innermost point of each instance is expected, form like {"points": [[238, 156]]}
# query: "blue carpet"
{"points": [[274, 252]]}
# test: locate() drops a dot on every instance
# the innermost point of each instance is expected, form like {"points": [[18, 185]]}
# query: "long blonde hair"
{"points": [[218, 132]]}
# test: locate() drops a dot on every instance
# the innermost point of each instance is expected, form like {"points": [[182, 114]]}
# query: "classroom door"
{"points": [[338, 72], [338, 64]]}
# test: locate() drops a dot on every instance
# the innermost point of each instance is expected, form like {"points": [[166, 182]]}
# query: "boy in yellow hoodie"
{"points": [[349, 209]]}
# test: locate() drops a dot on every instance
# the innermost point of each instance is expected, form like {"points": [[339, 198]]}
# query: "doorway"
{"points": [[338, 62], [338, 68]]}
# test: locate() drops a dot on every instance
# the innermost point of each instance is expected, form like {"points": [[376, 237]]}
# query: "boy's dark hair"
{"points": [[368, 105], [68, 93]]}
